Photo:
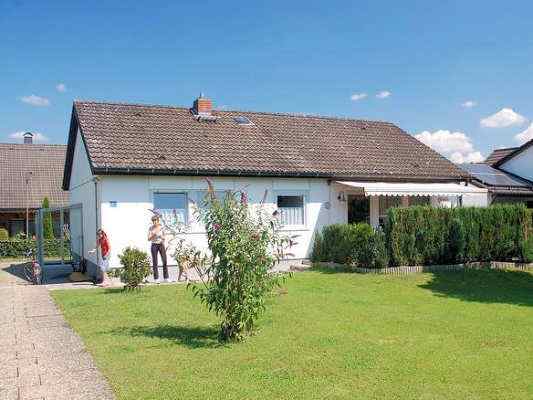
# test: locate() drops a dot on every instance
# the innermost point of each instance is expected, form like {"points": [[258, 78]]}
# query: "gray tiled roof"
{"points": [[130, 138], [45, 162]]}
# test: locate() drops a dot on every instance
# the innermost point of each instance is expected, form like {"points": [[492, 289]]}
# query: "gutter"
{"points": [[271, 174]]}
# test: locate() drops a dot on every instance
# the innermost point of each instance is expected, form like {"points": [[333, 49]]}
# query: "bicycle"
{"points": [[32, 269]]}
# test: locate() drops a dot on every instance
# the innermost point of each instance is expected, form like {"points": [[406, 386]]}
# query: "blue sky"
{"points": [[289, 56]]}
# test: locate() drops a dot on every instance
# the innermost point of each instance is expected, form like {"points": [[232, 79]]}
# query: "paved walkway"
{"points": [[40, 355]]}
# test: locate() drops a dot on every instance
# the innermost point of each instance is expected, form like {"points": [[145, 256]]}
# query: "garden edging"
{"points": [[412, 269]]}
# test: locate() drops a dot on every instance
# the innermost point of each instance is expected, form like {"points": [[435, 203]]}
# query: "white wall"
{"points": [[82, 191], [126, 201], [521, 164]]}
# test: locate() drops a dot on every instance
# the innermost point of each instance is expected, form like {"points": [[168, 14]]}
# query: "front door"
{"points": [[358, 209]]}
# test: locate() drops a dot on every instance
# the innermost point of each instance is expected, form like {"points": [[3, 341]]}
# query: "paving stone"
{"points": [[9, 394], [41, 356]]}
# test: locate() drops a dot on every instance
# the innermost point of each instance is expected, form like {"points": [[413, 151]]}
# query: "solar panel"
{"points": [[492, 176], [242, 120]]}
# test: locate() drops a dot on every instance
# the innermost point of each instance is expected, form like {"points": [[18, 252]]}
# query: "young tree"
{"points": [[48, 226], [244, 246]]}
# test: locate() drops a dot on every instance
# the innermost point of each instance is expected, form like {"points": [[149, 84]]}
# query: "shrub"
{"points": [[4, 235], [428, 235], [318, 244], [19, 248], [457, 241], [526, 249], [243, 244], [135, 267], [48, 226], [351, 244]]}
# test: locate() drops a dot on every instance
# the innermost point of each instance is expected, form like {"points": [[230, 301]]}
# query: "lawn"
{"points": [[454, 335]]}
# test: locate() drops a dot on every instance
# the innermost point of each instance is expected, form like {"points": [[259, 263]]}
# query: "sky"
{"points": [[456, 74]]}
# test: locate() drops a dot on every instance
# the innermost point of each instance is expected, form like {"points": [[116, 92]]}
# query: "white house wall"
{"points": [[126, 202], [82, 191], [521, 164]]}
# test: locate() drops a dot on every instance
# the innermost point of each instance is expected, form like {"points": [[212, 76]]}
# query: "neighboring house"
{"points": [[28, 173], [507, 174], [125, 159]]}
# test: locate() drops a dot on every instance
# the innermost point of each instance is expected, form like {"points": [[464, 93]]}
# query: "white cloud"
{"points": [[469, 104], [502, 119], [19, 137], [525, 135], [358, 96], [36, 101], [456, 146], [61, 87], [383, 94]]}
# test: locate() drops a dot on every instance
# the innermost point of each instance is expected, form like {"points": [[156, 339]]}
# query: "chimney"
{"points": [[28, 138], [202, 106]]}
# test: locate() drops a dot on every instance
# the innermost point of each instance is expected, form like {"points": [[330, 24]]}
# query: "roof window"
{"points": [[242, 120]]}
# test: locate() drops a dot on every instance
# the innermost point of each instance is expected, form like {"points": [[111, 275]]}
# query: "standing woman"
{"points": [[156, 236], [102, 244]]}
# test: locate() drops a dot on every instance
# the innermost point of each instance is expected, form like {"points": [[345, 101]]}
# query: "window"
{"points": [[172, 206], [291, 209], [242, 120]]}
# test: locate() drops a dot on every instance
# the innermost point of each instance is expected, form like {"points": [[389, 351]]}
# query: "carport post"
{"points": [[62, 233]]}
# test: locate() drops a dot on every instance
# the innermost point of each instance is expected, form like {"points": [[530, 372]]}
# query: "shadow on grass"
{"points": [[192, 337], [484, 286]]}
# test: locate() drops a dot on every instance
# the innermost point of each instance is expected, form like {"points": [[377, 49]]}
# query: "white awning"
{"points": [[413, 189]]}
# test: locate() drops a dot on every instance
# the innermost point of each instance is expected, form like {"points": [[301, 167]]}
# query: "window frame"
{"points": [[173, 191], [305, 195]]}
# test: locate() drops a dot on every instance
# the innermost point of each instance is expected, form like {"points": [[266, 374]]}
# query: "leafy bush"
{"points": [[4, 235], [244, 245], [135, 267], [351, 244], [428, 235], [317, 254], [19, 248]]}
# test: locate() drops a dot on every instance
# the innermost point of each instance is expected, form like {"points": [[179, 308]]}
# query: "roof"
{"points": [[515, 152], [498, 154], [498, 181], [151, 139], [45, 162]]}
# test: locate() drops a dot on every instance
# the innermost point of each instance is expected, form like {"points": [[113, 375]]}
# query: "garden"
{"points": [[450, 335], [246, 333]]}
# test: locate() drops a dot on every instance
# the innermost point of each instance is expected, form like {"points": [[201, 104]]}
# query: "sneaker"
{"points": [[166, 280], [157, 281]]}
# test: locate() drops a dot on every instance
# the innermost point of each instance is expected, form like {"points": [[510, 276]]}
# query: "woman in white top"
{"points": [[157, 237]]}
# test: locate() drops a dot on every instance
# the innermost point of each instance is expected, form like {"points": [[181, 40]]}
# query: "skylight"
{"points": [[242, 120]]}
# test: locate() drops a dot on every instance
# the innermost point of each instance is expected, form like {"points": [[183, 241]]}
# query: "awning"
{"points": [[413, 189]]}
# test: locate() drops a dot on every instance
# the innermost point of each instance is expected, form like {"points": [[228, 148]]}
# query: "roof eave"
{"points": [[251, 173]]}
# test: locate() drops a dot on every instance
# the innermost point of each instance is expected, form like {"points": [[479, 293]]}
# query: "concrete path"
{"points": [[40, 355]]}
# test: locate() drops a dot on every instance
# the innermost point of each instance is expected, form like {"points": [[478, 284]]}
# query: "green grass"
{"points": [[450, 335]]}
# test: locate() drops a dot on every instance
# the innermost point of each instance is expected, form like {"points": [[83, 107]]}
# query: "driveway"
{"points": [[42, 357]]}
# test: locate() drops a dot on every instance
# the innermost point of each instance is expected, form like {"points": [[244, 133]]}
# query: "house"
{"points": [[29, 172], [125, 159], [507, 174]]}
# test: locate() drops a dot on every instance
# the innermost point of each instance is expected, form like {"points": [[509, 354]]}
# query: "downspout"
{"points": [[97, 218]]}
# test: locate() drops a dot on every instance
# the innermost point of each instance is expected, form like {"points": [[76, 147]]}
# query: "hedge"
{"points": [[19, 248], [351, 244], [425, 235]]}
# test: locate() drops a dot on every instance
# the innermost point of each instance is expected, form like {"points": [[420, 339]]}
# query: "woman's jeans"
{"points": [[159, 248]]}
